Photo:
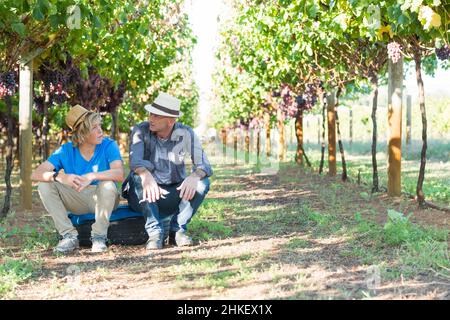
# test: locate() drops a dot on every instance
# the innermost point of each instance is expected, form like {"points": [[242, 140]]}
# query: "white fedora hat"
{"points": [[165, 105]]}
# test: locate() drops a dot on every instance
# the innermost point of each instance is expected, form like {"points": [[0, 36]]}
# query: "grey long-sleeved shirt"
{"points": [[166, 157]]}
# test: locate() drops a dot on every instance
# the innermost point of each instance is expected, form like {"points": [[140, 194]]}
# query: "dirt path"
{"points": [[260, 237]]}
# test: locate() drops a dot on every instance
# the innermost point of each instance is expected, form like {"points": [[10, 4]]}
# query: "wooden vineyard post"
{"points": [[331, 117], [395, 86], [247, 144], [408, 119], [25, 126], [224, 142], [299, 135], [281, 136], [267, 126], [258, 144], [235, 143]]}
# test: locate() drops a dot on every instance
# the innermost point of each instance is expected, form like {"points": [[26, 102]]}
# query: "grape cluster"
{"points": [[291, 103], [288, 105], [7, 84], [310, 97], [93, 92], [114, 96], [63, 82], [300, 101], [443, 53], [54, 82], [394, 51]]}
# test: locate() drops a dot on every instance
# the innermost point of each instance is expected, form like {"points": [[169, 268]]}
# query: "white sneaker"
{"points": [[98, 245], [67, 244]]}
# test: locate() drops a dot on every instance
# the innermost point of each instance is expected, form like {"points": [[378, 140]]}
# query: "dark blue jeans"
{"points": [[170, 213]]}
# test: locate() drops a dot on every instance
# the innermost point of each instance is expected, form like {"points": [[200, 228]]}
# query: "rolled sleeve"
{"points": [[137, 151], [55, 159], [205, 167]]}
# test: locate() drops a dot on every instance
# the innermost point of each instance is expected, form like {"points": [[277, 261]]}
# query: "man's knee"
{"points": [[107, 188], [203, 186], [45, 188]]}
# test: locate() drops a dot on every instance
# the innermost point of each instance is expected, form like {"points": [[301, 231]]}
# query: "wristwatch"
{"points": [[55, 175]]}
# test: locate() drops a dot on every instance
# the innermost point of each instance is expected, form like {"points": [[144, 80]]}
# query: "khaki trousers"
{"points": [[59, 199]]}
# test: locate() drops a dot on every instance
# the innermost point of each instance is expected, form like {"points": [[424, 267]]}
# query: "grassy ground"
{"points": [[359, 159], [263, 232]]}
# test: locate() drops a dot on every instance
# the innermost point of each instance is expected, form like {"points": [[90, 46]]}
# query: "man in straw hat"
{"points": [[91, 164], [158, 185]]}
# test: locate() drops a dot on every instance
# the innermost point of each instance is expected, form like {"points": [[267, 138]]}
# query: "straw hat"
{"points": [[165, 105], [75, 116]]}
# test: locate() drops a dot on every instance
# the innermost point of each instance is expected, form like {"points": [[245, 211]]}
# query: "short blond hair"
{"points": [[84, 128]]}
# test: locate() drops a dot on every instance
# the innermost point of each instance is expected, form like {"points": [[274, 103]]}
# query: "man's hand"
{"points": [[188, 187], [85, 180], [72, 180], [150, 189]]}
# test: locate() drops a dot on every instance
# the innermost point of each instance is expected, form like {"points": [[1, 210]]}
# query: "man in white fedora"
{"points": [[80, 178], [158, 185]]}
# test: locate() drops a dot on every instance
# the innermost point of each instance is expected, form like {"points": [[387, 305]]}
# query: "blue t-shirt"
{"points": [[70, 159]]}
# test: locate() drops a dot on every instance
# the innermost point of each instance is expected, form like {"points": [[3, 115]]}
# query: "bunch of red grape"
{"points": [[443, 53], [309, 97], [93, 92], [114, 96], [54, 83], [7, 84], [394, 51], [288, 104], [292, 103]]}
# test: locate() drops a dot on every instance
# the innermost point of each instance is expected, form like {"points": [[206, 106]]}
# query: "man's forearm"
{"points": [[144, 173], [108, 175], [46, 176]]}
